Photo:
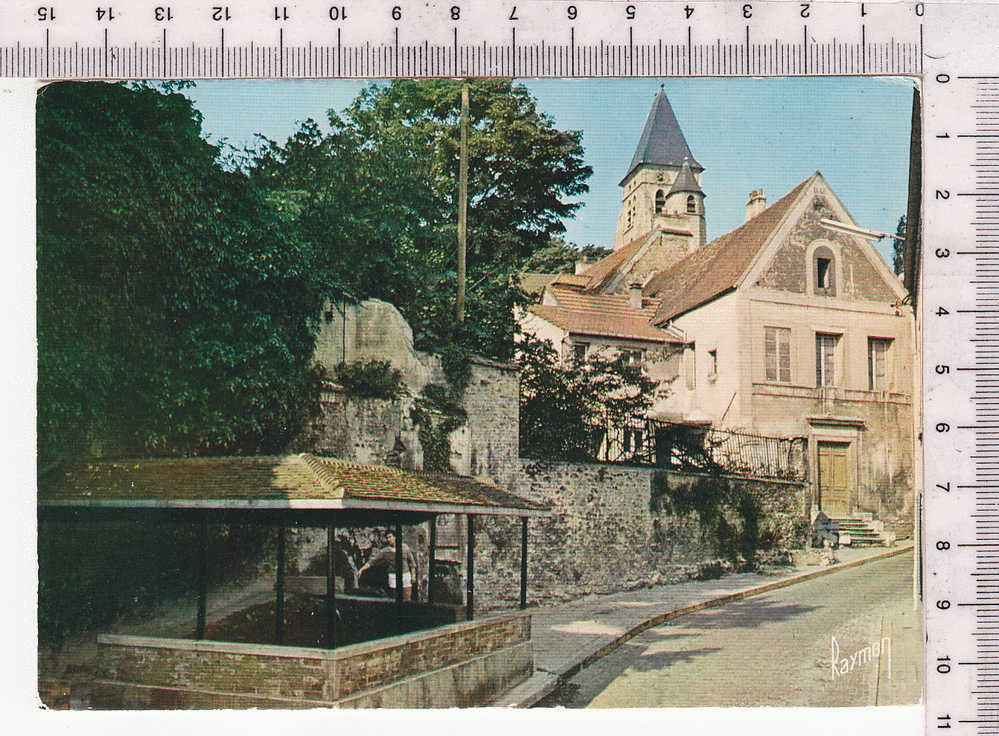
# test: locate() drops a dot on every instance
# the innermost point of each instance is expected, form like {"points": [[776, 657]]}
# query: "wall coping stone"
{"points": [[279, 650], [490, 363], [672, 471]]}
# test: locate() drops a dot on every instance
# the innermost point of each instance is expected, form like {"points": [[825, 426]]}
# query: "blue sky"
{"points": [[747, 133]]}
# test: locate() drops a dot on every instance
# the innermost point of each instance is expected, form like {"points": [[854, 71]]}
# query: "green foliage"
{"points": [[437, 412], [898, 247], [375, 379], [177, 302], [378, 194], [457, 368], [560, 405], [560, 257]]}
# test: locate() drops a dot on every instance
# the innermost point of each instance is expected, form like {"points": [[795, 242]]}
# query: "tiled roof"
{"points": [[607, 266], [662, 142], [283, 481], [603, 315], [715, 268], [477, 490]]}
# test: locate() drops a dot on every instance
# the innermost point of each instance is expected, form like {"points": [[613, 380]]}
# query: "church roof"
{"points": [[716, 268], [603, 315], [607, 266], [662, 142], [685, 181]]}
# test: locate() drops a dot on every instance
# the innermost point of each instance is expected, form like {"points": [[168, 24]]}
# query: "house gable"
{"points": [[719, 266], [785, 265]]}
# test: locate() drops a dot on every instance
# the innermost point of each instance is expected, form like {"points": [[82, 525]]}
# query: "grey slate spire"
{"points": [[685, 181], [662, 142]]}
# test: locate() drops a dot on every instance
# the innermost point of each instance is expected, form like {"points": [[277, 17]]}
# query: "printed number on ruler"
{"points": [[192, 39]]}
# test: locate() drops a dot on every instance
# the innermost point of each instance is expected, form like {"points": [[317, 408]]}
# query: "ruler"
{"points": [[191, 39], [960, 319], [952, 47]]}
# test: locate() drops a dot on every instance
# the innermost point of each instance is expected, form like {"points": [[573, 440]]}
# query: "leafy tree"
{"points": [[378, 193], [898, 247], [561, 405], [560, 257], [177, 304]]}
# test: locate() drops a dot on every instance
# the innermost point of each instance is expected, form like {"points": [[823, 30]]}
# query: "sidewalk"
{"points": [[570, 636]]}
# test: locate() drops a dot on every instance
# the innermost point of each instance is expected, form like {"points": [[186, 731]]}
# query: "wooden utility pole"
{"points": [[462, 203]]}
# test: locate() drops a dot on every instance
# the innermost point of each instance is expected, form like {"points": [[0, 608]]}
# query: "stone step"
{"points": [[860, 529]]}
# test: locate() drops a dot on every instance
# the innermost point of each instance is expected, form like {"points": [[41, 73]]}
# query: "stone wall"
{"points": [[463, 664], [382, 431], [367, 430], [602, 535], [492, 400]]}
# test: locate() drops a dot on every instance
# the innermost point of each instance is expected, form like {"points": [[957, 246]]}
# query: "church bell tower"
{"points": [[662, 189]]}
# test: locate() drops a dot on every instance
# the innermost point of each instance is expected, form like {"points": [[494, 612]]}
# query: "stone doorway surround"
{"points": [[836, 431]]}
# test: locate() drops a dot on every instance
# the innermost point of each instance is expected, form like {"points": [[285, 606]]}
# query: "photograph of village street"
{"points": [[600, 393]]}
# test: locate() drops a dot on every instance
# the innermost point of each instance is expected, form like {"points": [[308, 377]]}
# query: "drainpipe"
{"points": [[721, 420]]}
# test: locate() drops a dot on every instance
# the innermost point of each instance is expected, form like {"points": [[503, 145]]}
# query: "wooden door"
{"points": [[834, 478]]}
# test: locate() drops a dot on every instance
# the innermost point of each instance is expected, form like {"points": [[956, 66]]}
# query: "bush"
{"points": [[370, 379], [560, 404]]}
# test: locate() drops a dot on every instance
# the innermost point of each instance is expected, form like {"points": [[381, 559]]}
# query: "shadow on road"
{"points": [[579, 692], [747, 613], [645, 653]]}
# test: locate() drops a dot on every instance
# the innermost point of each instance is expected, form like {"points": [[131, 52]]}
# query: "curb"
{"points": [[554, 680]]}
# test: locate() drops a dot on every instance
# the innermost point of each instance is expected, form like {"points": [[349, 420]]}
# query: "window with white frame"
{"points": [[878, 366], [826, 348], [777, 354]]}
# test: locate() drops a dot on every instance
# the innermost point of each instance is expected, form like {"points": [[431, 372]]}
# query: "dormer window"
{"points": [[824, 271], [691, 205], [660, 201]]}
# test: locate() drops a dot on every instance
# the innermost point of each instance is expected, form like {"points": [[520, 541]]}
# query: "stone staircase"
{"points": [[862, 529]]}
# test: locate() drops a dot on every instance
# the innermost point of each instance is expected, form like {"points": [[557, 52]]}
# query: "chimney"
{"points": [[582, 264], [635, 294], [756, 204]]}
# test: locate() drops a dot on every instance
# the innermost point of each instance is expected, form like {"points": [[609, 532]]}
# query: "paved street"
{"points": [[775, 649]]}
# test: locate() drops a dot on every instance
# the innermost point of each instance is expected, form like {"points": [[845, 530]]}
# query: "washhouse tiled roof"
{"points": [[301, 481]]}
